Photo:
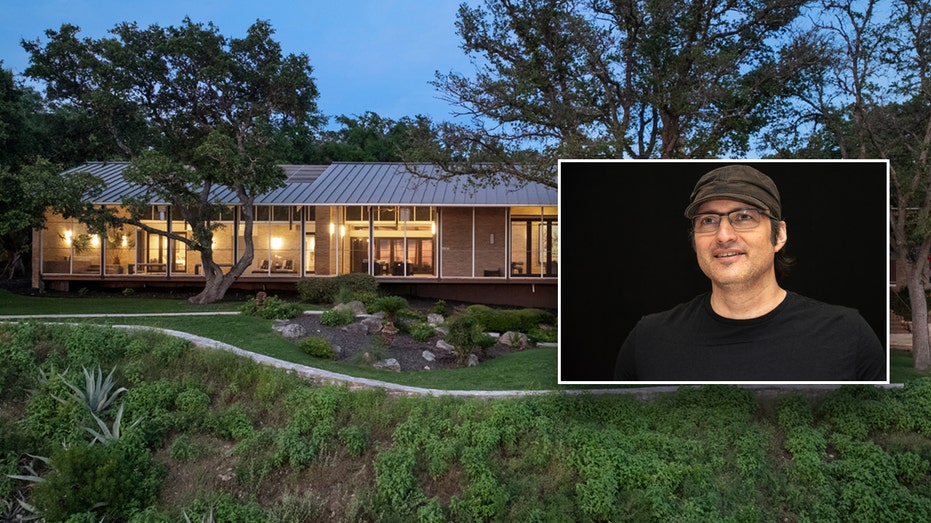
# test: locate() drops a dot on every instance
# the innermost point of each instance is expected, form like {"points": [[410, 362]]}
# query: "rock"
{"points": [[429, 356], [388, 364], [293, 331], [445, 346], [337, 352], [515, 340], [435, 319], [473, 360], [356, 307], [357, 328], [372, 324]]}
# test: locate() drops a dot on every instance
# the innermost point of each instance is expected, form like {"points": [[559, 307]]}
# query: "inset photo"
{"points": [[724, 271]]}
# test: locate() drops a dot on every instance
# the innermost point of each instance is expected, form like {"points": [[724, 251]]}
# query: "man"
{"points": [[747, 328]]}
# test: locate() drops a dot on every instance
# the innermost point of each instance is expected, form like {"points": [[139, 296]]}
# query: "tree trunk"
{"points": [[214, 290], [921, 351]]}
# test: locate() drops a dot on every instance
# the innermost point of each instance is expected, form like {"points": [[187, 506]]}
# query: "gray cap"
{"points": [[736, 182]]}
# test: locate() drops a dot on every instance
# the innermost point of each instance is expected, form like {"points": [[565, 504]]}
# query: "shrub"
{"points": [[273, 308], [355, 438], [422, 331], [337, 317], [117, 478], [466, 334], [538, 335], [317, 347], [390, 305], [317, 289], [503, 320], [357, 282], [186, 449], [439, 307]]}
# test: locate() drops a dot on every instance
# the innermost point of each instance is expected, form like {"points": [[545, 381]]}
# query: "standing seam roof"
{"points": [[348, 183]]}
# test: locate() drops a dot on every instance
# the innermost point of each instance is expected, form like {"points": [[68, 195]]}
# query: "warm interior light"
{"points": [[277, 243], [432, 227]]}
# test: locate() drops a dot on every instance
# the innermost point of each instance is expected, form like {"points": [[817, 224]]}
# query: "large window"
{"points": [[276, 236], [534, 243], [391, 240]]}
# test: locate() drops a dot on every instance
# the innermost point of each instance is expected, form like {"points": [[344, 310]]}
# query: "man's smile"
{"points": [[726, 254]]}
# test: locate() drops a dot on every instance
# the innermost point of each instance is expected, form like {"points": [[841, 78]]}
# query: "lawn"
{"points": [[529, 370]]}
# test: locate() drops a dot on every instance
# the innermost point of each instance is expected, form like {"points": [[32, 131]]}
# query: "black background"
{"points": [[625, 252]]}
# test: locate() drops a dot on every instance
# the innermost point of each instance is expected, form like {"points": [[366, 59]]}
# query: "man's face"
{"points": [[734, 259]]}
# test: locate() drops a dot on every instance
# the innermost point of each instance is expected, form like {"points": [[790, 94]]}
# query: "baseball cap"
{"points": [[736, 182]]}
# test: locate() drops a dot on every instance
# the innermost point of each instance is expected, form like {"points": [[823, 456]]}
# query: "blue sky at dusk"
{"points": [[367, 55]]}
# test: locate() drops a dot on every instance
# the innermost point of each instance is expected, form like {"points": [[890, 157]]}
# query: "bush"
{"points": [[466, 334], [317, 347], [357, 282], [325, 289], [118, 478], [503, 320], [273, 308], [390, 305], [317, 289], [421, 331], [337, 317]]}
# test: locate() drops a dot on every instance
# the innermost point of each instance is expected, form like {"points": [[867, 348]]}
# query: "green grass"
{"points": [[17, 304], [534, 369]]}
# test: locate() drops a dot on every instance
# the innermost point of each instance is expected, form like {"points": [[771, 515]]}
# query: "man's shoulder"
{"points": [[682, 310], [803, 304]]}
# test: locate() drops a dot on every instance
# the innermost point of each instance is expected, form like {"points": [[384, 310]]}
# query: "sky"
{"points": [[367, 55]]}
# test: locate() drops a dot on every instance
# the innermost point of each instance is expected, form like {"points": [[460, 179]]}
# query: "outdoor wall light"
{"points": [[68, 235], [95, 241], [277, 243], [332, 228]]}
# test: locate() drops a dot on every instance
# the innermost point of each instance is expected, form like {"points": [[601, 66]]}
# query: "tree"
{"points": [[28, 183], [369, 138], [873, 100], [26, 194], [621, 78], [195, 111]]}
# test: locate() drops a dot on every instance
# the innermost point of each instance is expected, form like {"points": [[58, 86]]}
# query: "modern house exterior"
{"points": [[418, 235]]}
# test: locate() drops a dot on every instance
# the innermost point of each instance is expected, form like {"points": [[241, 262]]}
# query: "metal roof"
{"points": [[349, 183], [369, 183]]}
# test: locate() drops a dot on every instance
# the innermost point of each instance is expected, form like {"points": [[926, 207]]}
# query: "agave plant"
{"points": [[106, 433], [98, 391]]}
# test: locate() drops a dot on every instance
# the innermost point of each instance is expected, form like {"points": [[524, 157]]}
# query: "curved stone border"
{"points": [[327, 377]]}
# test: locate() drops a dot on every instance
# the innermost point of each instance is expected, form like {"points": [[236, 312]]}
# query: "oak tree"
{"points": [[196, 113]]}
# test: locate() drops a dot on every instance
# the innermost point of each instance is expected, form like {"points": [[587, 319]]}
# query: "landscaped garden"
{"points": [[182, 433]]}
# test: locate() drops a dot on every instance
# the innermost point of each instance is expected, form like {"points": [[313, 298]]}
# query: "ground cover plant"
{"points": [[218, 434]]}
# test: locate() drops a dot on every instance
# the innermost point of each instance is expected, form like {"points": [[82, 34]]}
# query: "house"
{"points": [[418, 235]]}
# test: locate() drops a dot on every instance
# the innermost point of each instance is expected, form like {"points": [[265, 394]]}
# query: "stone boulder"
{"points": [[291, 331], [356, 307], [372, 324], [515, 340], [445, 346], [434, 319], [388, 364]]}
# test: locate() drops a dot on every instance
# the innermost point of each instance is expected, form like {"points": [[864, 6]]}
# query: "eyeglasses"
{"points": [[740, 220]]}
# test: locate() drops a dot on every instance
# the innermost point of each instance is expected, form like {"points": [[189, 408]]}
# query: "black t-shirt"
{"points": [[800, 340]]}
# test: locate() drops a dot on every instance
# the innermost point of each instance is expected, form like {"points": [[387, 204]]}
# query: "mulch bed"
{"points": [[405, 349]]}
